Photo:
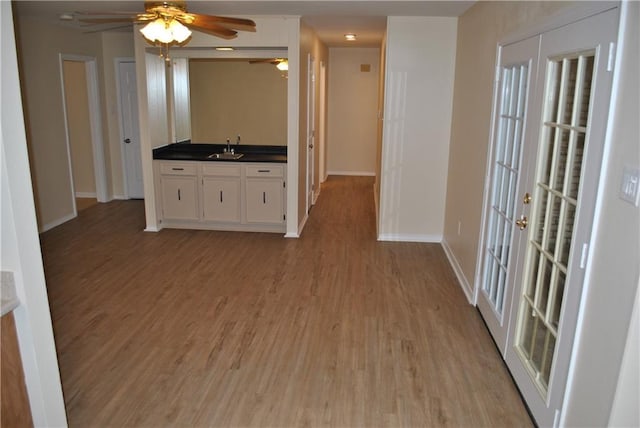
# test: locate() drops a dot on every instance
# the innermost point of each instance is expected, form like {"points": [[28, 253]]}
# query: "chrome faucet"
{"points": [[238, 140], [228, 149]]}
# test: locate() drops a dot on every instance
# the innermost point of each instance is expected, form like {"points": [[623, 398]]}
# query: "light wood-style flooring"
{"points": [[199, 328]]}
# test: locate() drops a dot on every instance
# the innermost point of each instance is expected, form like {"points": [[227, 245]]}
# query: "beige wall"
{"points": [[479, 31], [44, 114], [40, 80], [352, 109], [114, 45], [233, 97], [77, 109], [417, 115]]}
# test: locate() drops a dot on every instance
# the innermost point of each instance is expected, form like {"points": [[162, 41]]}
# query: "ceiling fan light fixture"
{"points": [[160, 30], [283, 65]]}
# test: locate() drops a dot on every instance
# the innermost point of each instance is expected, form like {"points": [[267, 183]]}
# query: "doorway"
{"points": [[83, 128], [542, 200], [311, 124]]}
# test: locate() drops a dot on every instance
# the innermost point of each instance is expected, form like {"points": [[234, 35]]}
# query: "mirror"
{"points": [[220, 98]]}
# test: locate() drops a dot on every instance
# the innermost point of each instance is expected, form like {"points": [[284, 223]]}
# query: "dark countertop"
{"points": [[185, 151]]}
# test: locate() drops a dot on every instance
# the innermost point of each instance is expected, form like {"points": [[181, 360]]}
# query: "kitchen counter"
{"points": [[200, 152]]}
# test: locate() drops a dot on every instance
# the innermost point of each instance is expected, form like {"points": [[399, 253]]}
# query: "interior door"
{"points": [[517, 72], [130, 130], [569, 120], [311, 125]]}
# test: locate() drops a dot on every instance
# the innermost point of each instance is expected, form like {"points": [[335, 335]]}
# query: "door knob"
{"points": [[127, 140], [522, 222], [311, 146], [526, 199]]}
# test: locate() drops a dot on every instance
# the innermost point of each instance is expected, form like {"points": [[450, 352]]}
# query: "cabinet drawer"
{"points": [[221, 170], [264, 171], [167, 168]]}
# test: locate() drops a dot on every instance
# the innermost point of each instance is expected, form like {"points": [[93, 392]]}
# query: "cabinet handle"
{"points": [[221, 196], [264, 197], [178, 169], [179, 194], [264, 170]]}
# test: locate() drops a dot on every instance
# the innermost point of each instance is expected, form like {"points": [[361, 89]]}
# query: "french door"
{"points": [[517, 72], [553, 211]]}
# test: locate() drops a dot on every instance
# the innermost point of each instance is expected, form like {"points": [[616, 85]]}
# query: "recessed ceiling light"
{"points": [[224, 49], [350, 37], [66, 17]]}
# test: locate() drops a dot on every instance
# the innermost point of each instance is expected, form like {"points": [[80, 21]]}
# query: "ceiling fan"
{"points": [[281, 64], [168, 22]]}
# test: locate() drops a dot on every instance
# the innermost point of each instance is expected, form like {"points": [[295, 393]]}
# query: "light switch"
{"points": [[630, 186]]}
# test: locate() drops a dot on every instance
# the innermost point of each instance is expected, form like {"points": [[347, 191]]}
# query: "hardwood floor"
{"points": [[84, 203], [200, 328]]}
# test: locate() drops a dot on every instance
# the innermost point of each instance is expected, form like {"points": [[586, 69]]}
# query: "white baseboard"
{"points": [[402, 237], [86, 195], [315, 196], [462, 280], [120, 197], [302, 223], [291, 235], [57, 222], [354, 173], [152, 229]]}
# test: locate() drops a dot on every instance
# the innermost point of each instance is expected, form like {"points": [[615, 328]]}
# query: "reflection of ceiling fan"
{"points": [[169, 22], [281, 63]]}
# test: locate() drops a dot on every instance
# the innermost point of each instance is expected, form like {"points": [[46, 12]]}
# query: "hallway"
{"points": [[203, 328]]}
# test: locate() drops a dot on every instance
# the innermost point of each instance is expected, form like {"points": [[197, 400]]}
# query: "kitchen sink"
{"points": [[226, 155]]}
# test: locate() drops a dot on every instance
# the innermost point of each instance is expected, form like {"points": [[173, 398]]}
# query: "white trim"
{"points": [[582, 10], [116, 62], [74, 208], [95, 123], [302, 224], [457, 269], [404, 237], [58, 222], [293, 109], [316, 195], [353, 173], [85, 194], [152, 229], [120, 197], [291, 235]]}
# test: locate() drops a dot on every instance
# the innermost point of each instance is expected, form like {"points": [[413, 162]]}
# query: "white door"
{"points": [[573, 92], [517, 73], [132, 163], [311, 114]]}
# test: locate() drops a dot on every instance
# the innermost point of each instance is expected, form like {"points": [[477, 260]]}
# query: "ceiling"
{"points": [[330, 19]]}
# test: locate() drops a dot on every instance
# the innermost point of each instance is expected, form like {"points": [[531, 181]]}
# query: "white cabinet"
{"points": [[264, 194], [221, 192], [179, 191], [221, 195]]}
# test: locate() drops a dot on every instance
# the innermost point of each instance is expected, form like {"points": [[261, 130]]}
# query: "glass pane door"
{"points": [[550, 241], [506, 168], [518, 68]]}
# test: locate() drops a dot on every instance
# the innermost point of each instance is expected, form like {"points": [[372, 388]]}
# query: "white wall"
{"points": [[22, 256], [417, 119], [353, 110], [613, 269]]}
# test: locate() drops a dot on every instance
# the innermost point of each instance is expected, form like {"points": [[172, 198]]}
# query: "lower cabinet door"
{"points": [[180, 197], [264, 201], [221, 199]]}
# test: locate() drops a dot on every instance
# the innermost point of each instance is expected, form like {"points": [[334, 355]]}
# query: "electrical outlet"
{"points": [[630, 185]]}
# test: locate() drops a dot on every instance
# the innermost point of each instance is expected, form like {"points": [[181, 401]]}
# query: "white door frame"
{"points": [[311, 123], [322, 144], [117, 61], [95, 123]]}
